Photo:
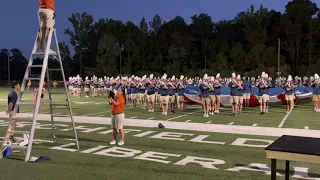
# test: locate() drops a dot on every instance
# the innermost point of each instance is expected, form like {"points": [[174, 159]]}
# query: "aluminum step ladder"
{"points": [[45, 72]]}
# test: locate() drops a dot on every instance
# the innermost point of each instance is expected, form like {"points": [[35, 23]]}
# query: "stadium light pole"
{"points": [[121, 49], [278, 58], [9, 79]]}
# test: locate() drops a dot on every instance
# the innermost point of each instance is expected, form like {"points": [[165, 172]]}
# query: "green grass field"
{"points": [[219, 155]]}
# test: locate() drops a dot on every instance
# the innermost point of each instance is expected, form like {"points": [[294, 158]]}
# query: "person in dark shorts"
{"points": [[12, 100]]}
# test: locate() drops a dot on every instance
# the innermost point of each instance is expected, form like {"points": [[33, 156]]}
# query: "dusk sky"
{"points": [[19, 21]]}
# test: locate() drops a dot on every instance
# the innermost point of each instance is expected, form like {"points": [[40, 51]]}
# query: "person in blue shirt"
{"points": [[204, 94], [142, 96], [217, 92], [150, 85], [87, 86], [316, 92], [263, 85], [240, 93], [164, 94], [234, 98], [212, 96], [269, 82], [12, 100], [172, 93], [181, 85], [289, 90], [247, 89], [134, 91]]}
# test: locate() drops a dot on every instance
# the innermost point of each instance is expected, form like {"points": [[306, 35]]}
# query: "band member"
{"points": [[289, 89], [164, 94], [269, 82], [128, 88], [107, 86], [315, 84], [217, 92], [42, 96], [263, 85], [29, 84], [171, 92], [204, 94], [70, 85], [247, 89], [142, 92], [212, 96], [234, 98], [180, 88], [78, 86], [134, 91], [240, 93], [54, 85], [87, 86], [95, 86], [151, 93], [75, 86]]}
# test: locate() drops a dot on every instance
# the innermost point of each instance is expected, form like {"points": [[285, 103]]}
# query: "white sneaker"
{"points": [[204, 115], [113, 142], [120, 143]]}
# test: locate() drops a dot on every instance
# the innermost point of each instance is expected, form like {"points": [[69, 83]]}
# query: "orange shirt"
{"points": [[119, 108], [46, 4]]}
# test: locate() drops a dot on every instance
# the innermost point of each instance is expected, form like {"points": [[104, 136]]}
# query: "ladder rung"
{"points": [[59, 104], [54, 69], [18, 132], [33, 79], [42, 54], [35, 66], [13, 146]]}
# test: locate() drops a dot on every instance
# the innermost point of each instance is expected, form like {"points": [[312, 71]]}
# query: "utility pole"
{"points": [[278, 58], [9, 74]]}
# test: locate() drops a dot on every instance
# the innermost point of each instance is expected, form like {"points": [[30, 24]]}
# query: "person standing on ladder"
{"points": [[46, 20], [12, 99]]}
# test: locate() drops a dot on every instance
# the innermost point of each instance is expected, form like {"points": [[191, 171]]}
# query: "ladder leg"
{"points": [[36, 111], [66, 89], [50, 104]]}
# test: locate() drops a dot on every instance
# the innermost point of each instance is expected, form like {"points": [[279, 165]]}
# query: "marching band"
{"points": [[169, 92]]}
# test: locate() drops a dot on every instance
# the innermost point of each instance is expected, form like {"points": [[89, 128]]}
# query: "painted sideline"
{"points": [[204, 127]]}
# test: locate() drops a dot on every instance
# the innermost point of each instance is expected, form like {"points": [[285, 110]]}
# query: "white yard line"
{"points": [[150, 118], [254, 125], [94, 114], [208, 122], [231, 123], [180, 116], [201, 127], [286, 116], [187, 120], [306, 127], [284, 120]]}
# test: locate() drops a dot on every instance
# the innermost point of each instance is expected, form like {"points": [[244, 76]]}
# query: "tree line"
{"points": [[247, 44]]}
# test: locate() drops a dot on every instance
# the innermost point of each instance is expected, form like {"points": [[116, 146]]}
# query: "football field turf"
{"points": [[190, 147]]}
